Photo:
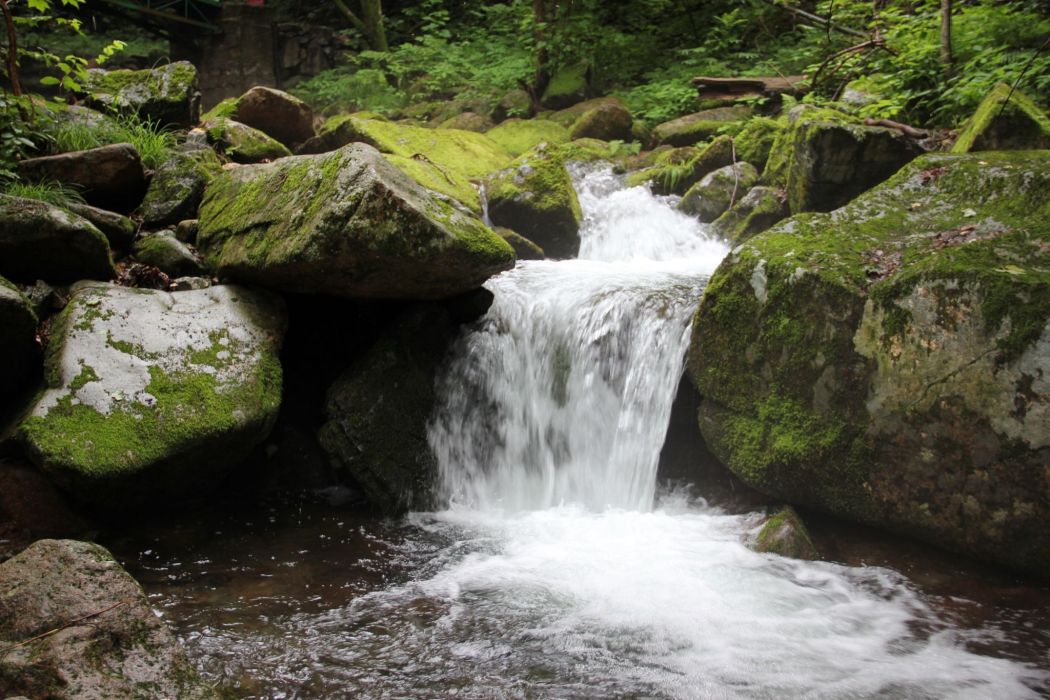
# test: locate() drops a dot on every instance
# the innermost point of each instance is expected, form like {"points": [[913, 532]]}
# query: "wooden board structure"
{"points": [[733, 88]]}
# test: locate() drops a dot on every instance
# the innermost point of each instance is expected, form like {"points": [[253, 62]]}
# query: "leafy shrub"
{"points": [[153, 141]]}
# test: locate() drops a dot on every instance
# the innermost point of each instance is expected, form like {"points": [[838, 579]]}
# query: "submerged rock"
{"points": [[153, 396], [345, 224], [1006, 120], [535, 197], [42, 241], [96, 636], [786, 535], [718, 191], [167, 95], [888, 362], [110, 177]]}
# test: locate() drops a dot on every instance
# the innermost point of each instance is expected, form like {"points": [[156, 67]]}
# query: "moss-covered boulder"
{"points": [[524, 249], [568, 85], [153, 397], [755, 141], [276, 113], [167, 95], [515, 104], [176, 189], [167, 253], [19, 352], [42, 241], [1006, 120], [608, 122], [785, 534], [718, 191], [346, 223], [888, 362], [758, 210], [110, 177], [535, 197], [699, 126], [448, 161], [825, 158], [241, 143], [119, 230], [468, 121], [678, 169], [379, 408], [518, 136], [75, 625]]}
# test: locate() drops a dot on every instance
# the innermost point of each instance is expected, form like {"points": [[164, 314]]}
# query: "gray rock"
{"points": [[186, 284], [717, 191], [19, 352], [118, 649], [242, 143], [759, 209], [166, 252], [535, 198], [167, 95], [110, 177], [119, 230], [186, 231], [154, 395], [42, 241], [785, 534], [887, 362], [277, 114], [524, 249], [700, 126], [177, 187], [608, 122], [346, 224]]}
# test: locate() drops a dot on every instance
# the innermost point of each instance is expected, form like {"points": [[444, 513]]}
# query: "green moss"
{"points": [[87, 374], [785, 534], [755, 141], [567, 84], [434, 177], [518, 136], [223, 110], [1004, 102], [190, 409]]}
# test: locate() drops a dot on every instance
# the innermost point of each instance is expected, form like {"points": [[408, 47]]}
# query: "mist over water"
{"points": [[556, 570]]}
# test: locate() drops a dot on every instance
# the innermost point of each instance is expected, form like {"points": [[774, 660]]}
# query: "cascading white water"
{"points": [[564, 392]]}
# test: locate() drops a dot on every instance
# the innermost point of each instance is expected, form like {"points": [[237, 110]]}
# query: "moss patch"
{"points": [[518, 136], [1005, 119]]}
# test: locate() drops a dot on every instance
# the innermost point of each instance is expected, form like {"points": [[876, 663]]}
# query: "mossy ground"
{"points": [[518, 136]]}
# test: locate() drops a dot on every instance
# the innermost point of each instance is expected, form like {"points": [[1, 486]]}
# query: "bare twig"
{"points": [[903, 128], [71, 623], [1020, 77]]}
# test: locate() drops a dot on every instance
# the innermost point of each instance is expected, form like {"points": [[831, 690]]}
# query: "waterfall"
{"points": [[562, 393]]}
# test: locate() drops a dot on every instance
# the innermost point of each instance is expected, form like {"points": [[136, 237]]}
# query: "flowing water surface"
{"points": [[557, 570]]}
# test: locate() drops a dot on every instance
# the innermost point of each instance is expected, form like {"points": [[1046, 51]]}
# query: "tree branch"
{"points": [[349, 14], [822, 21], [12, 50]]}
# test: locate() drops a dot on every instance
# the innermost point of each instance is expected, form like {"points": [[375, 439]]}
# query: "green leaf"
{"points": [[40, 5], [49, 80]]}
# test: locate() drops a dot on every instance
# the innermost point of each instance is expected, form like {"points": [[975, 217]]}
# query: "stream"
{"points": [[560, 567]]}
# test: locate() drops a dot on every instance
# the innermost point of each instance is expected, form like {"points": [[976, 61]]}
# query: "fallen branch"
{"points": [[71, 623], [903, 128]]}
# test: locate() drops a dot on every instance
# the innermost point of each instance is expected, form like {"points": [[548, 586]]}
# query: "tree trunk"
{"points": [[946, 34], [372, 14], [12, 50]]}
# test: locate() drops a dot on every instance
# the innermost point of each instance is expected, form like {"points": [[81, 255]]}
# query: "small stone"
{"points": [[786, 535]]}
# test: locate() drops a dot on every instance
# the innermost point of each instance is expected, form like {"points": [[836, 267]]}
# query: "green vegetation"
{"points": [[51, 192], [153, 142]]}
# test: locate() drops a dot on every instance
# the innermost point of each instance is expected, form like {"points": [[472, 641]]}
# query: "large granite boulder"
{"points": [[176, 189], [825, 158], [379, 408], [167, 95], [889, 362], [535, 197], [346, 224], [276, 113], [42, 241], [19, 351], [152, 396], [110, 177], [94, 635], [1006, 120], [718, 191]]}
